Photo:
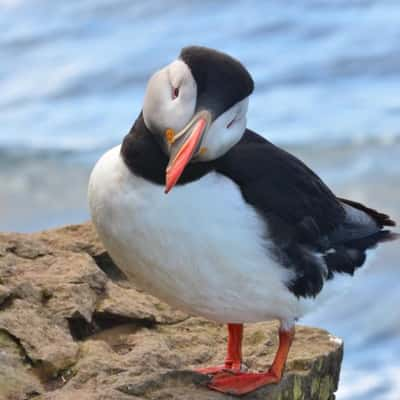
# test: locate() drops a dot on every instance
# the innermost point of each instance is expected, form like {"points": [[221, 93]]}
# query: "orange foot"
{"points": [[238, 383], [233, 361], [219, 369], [241, 383]]}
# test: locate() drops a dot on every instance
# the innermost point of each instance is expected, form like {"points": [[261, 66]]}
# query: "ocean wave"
{"points": [[71, 82], [364, 384]]}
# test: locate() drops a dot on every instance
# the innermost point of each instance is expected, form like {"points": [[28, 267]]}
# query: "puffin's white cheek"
{"points": [[180, 113], [155, 101], [223, 134], [218, 142], [161, 110]]}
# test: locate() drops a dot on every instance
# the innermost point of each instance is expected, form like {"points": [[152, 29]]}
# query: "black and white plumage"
{"points": [[301, 214], [248, 232]]}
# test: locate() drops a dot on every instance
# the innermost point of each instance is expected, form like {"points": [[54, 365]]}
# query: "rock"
{"points": [[73, 327], [131, 304], [45, 344], [4, 293], [16, 377]]}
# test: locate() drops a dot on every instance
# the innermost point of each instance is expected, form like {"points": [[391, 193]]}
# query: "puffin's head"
{"points": [[197, 107]]}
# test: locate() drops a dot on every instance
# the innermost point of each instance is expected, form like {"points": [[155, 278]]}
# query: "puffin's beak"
{"points": [[185, 145]]}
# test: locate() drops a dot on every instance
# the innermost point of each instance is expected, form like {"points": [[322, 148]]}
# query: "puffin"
{"points": [[215, 220]]}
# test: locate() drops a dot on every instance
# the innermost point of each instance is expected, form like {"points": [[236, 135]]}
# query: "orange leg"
{"points": [[238, 383], [233, 360]]}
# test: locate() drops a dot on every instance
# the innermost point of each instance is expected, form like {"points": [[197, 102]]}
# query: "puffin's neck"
{"points": [[144, 157]]}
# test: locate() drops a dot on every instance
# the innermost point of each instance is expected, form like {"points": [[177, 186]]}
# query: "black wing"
{"points": [[304, 218]]}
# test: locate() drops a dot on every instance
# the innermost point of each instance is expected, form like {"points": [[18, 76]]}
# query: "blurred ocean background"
{"points": [[327, 73]]}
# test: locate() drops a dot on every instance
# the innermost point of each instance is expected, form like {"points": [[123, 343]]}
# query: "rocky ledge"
{"points": [[71, 327]]}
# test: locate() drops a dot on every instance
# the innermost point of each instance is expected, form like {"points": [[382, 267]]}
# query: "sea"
{"points": [[327, 74]]}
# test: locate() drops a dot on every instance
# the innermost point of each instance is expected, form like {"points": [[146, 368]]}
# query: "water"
{"points": [[72, 76]]}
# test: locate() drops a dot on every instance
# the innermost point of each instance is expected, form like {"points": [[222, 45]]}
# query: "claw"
{"points": [[241, 383], [219, 369], [212, 370]]}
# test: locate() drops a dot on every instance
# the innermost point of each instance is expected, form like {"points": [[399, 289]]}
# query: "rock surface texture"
{"points": [[72, 327]]}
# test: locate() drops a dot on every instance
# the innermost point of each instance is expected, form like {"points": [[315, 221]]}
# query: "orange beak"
{"points": [[184, 154]]}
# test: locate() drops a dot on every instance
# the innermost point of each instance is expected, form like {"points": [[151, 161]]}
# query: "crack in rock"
{"points": [[81, 329]]}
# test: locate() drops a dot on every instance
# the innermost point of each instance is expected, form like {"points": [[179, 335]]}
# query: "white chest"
{"points": [[200, 248]]}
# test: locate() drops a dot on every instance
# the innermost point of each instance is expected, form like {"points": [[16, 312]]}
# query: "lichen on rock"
{"points": [[73, 327]]}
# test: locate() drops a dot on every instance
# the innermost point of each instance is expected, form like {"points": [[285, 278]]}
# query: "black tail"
{"points": [[380, 218], [372, 241], [348, 251]]}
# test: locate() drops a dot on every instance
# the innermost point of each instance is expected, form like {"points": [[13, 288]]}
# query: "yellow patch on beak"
{"points": [[203, 151], [170, 135]]}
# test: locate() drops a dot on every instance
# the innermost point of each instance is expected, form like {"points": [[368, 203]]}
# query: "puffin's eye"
{"points": [[232, 122], [175, 93]]}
